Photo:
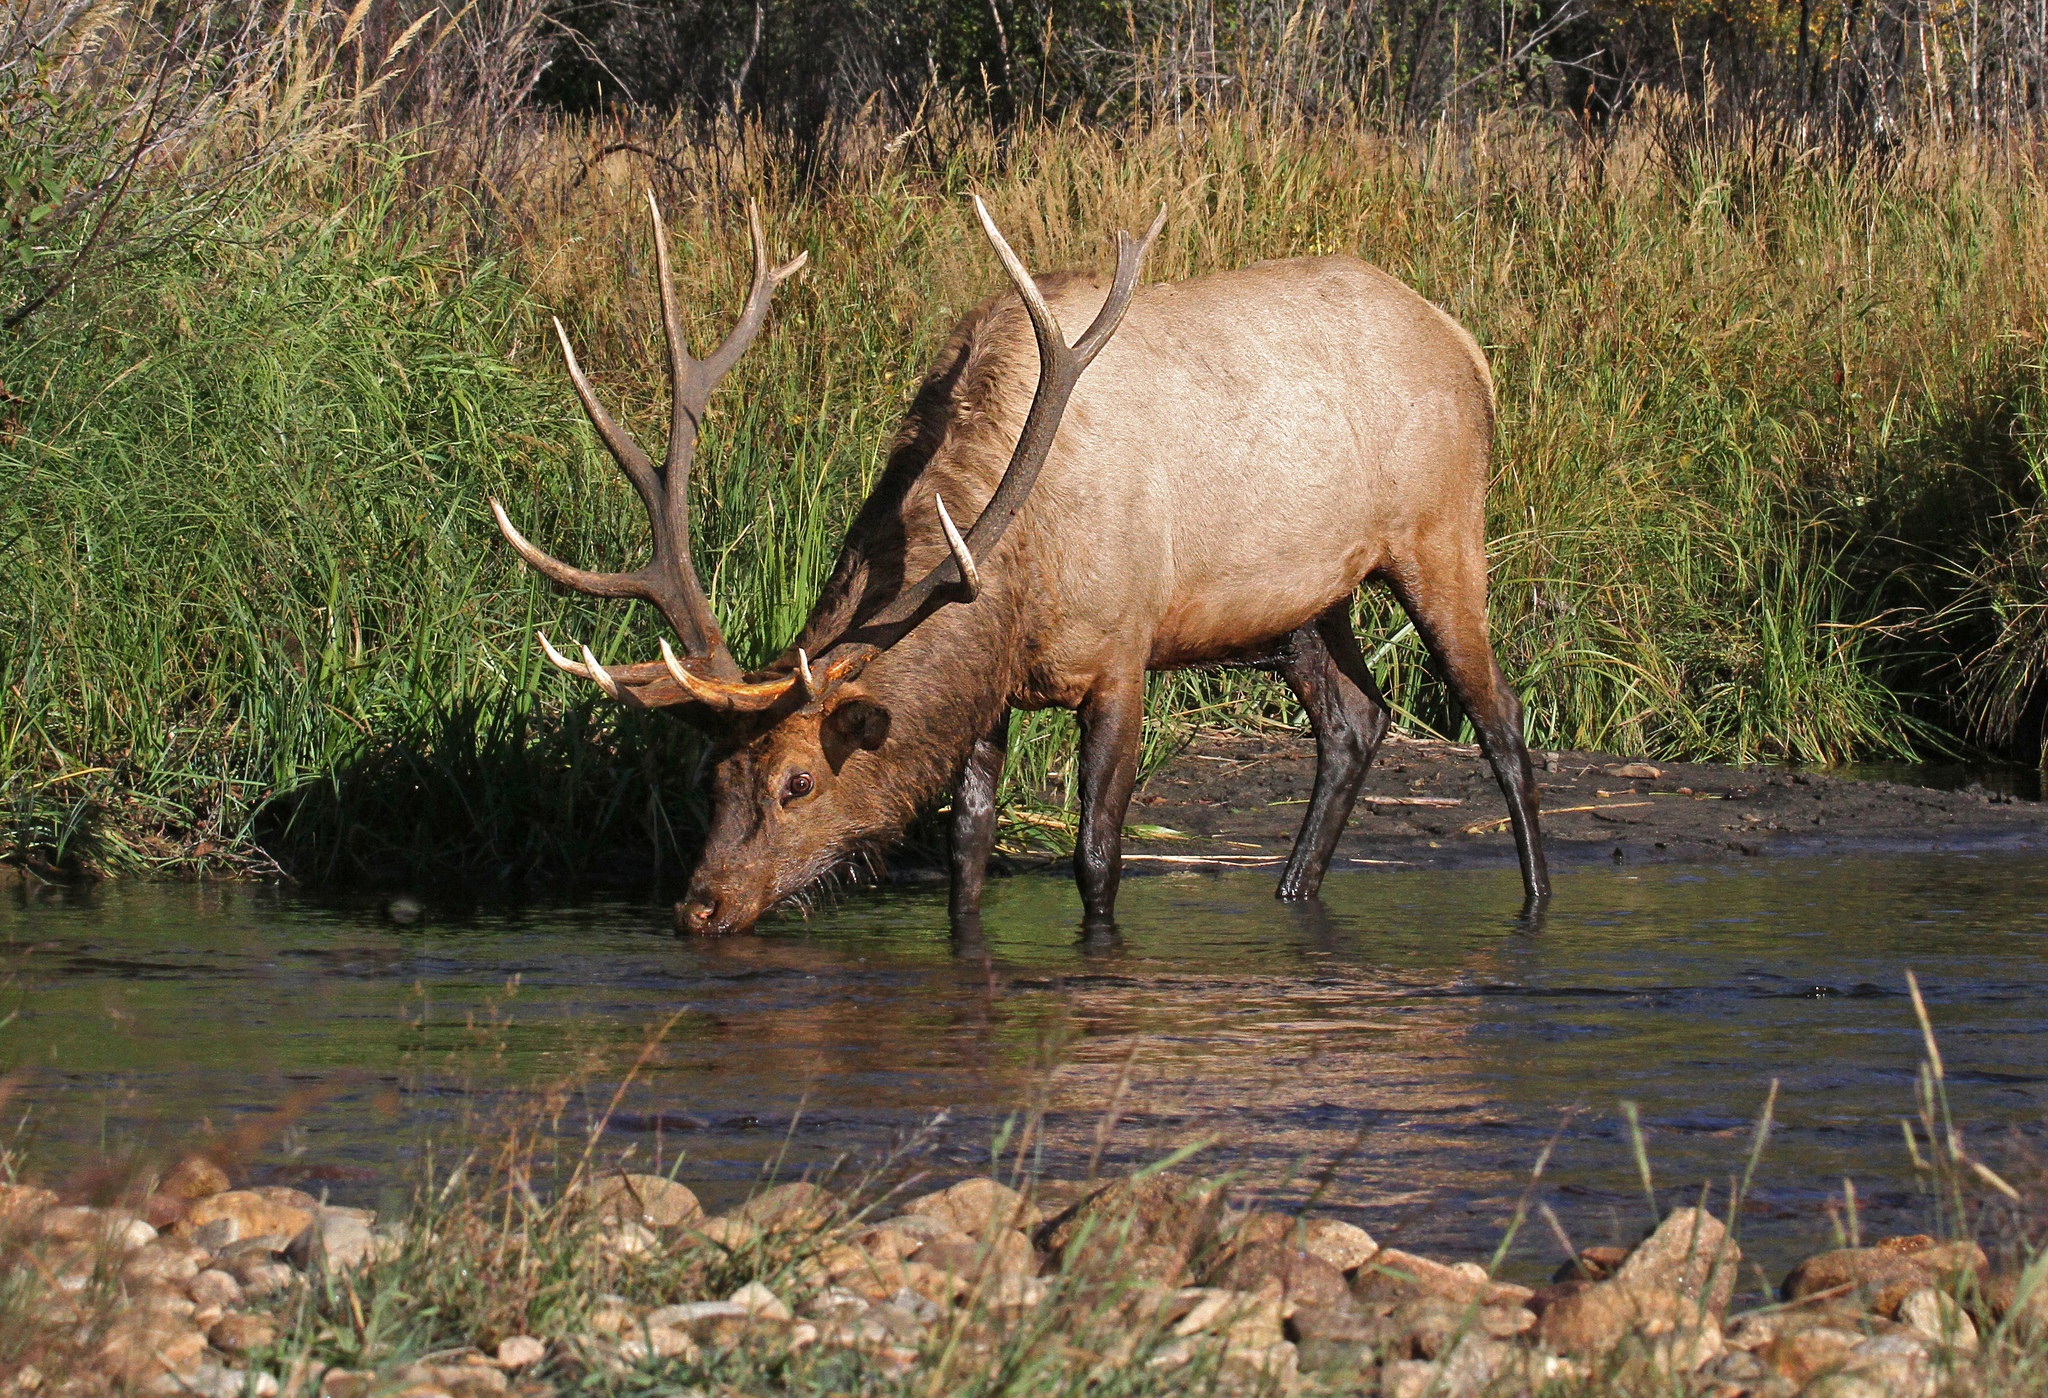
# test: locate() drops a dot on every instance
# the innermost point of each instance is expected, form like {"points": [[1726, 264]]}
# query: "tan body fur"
{"points": [[1246, 451]]}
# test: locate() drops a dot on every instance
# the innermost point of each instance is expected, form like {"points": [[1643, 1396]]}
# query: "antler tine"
{"points": [[1059, 368], [670, 514], [766, 278], [669, 580]]}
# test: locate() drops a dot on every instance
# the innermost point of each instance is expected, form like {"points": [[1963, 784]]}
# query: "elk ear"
{"points": [[854, 722]]}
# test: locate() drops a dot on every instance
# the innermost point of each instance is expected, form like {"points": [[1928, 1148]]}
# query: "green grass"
{"points": [[1768, 426]]}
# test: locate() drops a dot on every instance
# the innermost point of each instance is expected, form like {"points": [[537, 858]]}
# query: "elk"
{"points": [[1253, 447]]}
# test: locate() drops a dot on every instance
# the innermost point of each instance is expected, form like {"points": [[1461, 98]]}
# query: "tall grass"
{"points": [[1760, 414]]}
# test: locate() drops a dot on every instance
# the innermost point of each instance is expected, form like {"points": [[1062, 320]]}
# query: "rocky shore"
{"points": [[199, 1288]]}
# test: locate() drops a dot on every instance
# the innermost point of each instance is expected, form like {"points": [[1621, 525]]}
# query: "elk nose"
{"points": [[695, 915]]}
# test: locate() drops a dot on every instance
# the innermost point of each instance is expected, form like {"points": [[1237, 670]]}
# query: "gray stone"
{"points": [[1691, 1257]]}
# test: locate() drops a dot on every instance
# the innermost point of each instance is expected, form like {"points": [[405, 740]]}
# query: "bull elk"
{"points": [[1253, 446]]}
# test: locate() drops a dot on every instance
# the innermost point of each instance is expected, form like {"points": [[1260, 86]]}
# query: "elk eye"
{"points": [[798, 786]]}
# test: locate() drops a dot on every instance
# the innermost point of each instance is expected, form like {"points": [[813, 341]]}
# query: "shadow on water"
{"points": [[1408, 1027]]}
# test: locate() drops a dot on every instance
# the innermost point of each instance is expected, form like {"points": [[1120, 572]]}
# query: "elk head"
{"points": [[803, 757]]}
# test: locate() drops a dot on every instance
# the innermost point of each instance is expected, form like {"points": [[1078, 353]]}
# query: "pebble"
{"points": [[650, 1200], [518, 1351]]}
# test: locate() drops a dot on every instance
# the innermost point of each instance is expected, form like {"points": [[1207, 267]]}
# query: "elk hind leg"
{"points": [[1112, 717], [1322, 664], [973, 827], [1448, 605]]}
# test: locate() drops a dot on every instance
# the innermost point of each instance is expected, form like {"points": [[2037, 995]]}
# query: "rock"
{"points": [[241, 1214], [1148, 1228], [1591, 1318], [1799, 1354], [1592, 1264], [1394, 1276], [790, 1208], [1003, 1253], [1899, 1364], [627, 1239], [1297, 1274], [98, 1227], [731, 1234], [1342, 1245], [266, 1278], [653, 1341], [140, 1348], [213, 1287], [20, 1203], [347, 1383], [2027, 1314], [1633, 771], [873, 1278], [1399, 1378], [194, 1177], [1690, 1256], [1468, 1369], [650, 1200], [339, 1240], [161, 1264], [241, 1333], [1935, 1316], [1882, 1275], [974, 1207], [479, 1380], [759, 1302], [917, 1228], [518, 1351], [1338, 1338], [212, 1380]]}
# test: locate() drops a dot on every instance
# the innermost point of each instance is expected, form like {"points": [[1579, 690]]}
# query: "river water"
{"points": [[1404, 1047]]}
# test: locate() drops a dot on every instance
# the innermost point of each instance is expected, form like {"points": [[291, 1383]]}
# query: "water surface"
{"points": [[1403, 1046]]}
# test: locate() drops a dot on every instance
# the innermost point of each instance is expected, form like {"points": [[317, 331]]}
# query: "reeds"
{"points": [[1767, 418]]}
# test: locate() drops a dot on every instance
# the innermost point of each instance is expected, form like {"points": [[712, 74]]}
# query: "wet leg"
{"points": [[1450, 612], [1349, 717], [974, 819], [1111, 719]]}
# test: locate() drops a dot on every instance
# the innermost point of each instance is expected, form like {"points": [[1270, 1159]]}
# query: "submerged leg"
{"points": [[1112, 717], [1324, 667], [1448, 605], [974, 819]]}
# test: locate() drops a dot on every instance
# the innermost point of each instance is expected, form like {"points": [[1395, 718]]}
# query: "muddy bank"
{"points": [[1236, 801]]}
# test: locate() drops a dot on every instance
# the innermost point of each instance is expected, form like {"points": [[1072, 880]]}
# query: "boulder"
{"points": [[788, 1208], [241, 1333], [1882, 1275], [975, 1207], [1800, 1354], [1690, 1256], [650, 1200], [194, 1177], [77, 1223], [1592, 1264], [1149, 1228], [240, 1214], [1394, 1276], [1005, 1253], [1295, 1273], [20, 1203], [1935, 1317], [1342, 1245], [518, 1351]]}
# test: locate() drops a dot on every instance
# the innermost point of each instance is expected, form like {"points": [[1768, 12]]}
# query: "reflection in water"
{"points": [[1406, 1046]]}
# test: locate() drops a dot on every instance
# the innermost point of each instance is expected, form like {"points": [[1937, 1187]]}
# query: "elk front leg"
{"points": [[974, 819], [1111, 717]]}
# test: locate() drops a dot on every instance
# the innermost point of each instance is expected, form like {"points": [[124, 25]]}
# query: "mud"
{"points": [[1233, 800]]}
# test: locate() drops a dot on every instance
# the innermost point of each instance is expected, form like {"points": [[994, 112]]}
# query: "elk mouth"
{"points": [[711, 911]]}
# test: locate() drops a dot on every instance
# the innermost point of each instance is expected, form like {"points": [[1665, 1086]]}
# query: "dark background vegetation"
{"points": [[1762, 285]]}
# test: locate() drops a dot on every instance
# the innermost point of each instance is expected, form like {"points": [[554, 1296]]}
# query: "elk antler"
{"points": [[669, 578], [958, 578]]}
